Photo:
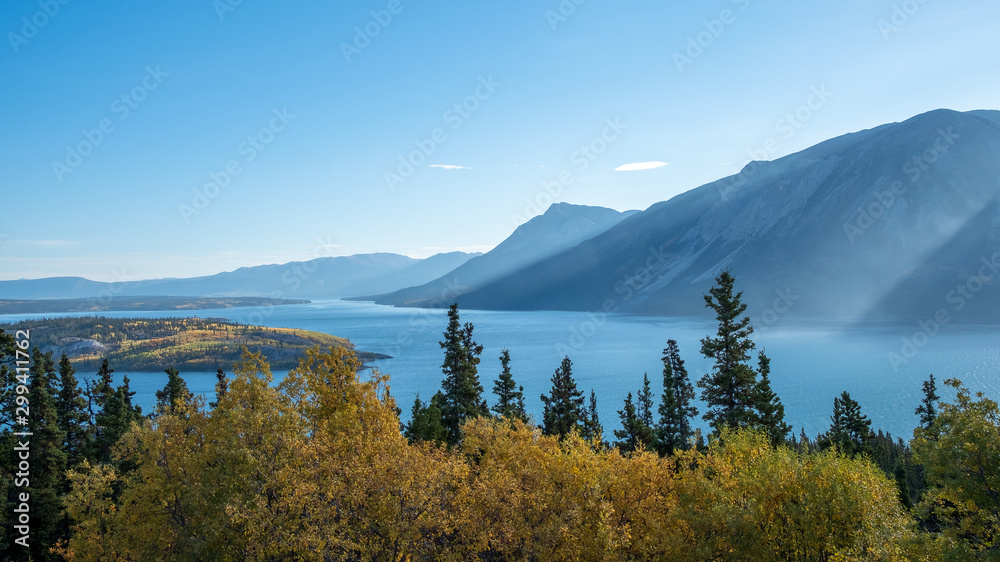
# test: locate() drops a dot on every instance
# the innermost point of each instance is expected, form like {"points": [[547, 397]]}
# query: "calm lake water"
{"points": [[810, 365]]}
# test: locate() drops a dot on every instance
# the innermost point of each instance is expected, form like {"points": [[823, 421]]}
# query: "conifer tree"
{"points": [[174, 393], [98, 391], [221, 386], [114, 419], [563, 409], [592, 428], [73, 417], [644, 399], [628, 435], [127, 394], [850, 431], [635, 430], [463, 393], [425, 421], [769, 414], [674, 430], [927, 410], [729, 389], [510, 396]]}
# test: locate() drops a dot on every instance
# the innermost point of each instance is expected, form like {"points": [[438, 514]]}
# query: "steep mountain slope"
{"points": [[561, 227], [847, 228]]}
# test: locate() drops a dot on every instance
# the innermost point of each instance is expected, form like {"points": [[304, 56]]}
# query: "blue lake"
{"points": [[810, 364]]}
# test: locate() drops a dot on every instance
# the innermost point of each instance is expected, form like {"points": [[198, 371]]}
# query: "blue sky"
{"points": [[312, 118]]}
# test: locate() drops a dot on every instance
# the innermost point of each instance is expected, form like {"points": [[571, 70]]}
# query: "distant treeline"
{"points": [[124, 304]]}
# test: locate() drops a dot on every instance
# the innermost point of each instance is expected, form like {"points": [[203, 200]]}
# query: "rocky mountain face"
{"points": [[882, 223]]}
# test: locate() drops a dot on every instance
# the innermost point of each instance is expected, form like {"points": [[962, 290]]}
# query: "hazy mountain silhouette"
{"points": [[561, 227], [879, 223], [322, 277]]}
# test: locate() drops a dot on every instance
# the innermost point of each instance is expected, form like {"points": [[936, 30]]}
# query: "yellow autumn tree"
{"points": [[748, 500], [960, 452], [312, 469]]}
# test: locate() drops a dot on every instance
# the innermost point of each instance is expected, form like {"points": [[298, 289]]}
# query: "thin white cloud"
{"points": [[640, 166], [449, 167], [50, 243]]}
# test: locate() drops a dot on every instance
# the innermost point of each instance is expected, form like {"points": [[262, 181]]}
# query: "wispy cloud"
{"points": [[640, 166], [449, 167], [50, 243]]}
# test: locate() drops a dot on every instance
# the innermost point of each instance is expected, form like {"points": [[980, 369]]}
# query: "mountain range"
{"points": [[321, 277], [561, 228], [900, 221]]}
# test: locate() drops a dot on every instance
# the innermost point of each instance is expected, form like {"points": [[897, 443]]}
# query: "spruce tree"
{"points": [[127, 394], [729, 389], [769, 414], [644, 406], [117, 414], [98, 391], [592, 428], [850, 431], [674, 430], [73, 417], [221, 386], [927, 410], [425, 421], [510, 396], [563, 409], [173, 394], [461, 387], [628, 435]]}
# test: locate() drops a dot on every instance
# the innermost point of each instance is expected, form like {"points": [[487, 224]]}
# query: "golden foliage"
{"points": [[316, 469]]}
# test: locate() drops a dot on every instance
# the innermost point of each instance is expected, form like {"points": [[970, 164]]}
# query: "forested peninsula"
{"points": [[187, 344]]}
